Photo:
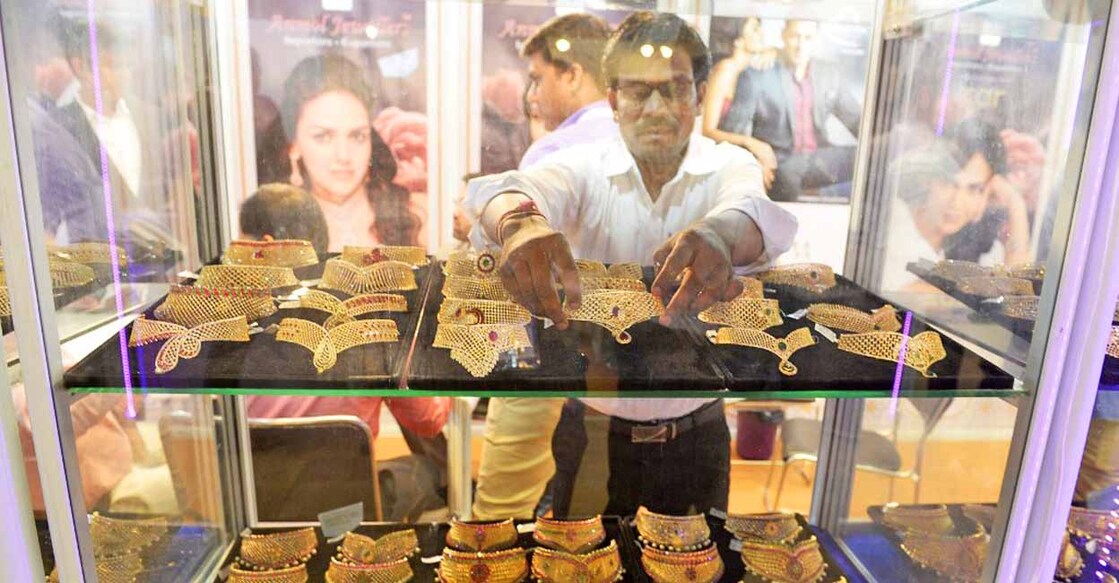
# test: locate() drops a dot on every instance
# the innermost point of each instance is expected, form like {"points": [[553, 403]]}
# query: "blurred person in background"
{"points": [[749, 52]]}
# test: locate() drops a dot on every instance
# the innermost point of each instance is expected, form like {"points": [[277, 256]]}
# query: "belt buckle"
{"points": [[653, 433]]}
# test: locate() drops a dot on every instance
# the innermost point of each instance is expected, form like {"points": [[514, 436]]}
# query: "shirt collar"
{"points": [[121, 111], [699, 160]]}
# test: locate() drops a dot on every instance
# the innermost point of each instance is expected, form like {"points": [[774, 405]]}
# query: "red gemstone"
{"points": [[258, 254], [493, 335], [691, 574], [615, 311], [479, 572]]}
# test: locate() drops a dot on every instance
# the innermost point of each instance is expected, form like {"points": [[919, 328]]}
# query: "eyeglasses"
{"points": [[675, 90]]}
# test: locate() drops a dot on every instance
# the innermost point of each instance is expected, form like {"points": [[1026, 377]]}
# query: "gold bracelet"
{"points": [[601, 566], [67, 274], [591, 268], [475, 288], [478, 347], [799, 563], [955, 558], [702, 566], [481, 536], [508, 566], [993, 287], [956, 270], [774, 527], [814, 277], [296, 574], [614, 283], [91, 253], [398, 571], [1113, 343], [1020, 307], [326, 345], [617, 311], [472, 312], [364, 550], [921, 351], [752, 313], [5, 302], [345, 311], [192, 306], [414, 256], [184, 343], [277, 550], [242, 276], [1069, 564], [386, 276], [1031, 271], [672, 533], [982, 514], [571, 536], [932, 519], [283, 253], [782, 348], [849, 319], [470, 264], [114, 537]]}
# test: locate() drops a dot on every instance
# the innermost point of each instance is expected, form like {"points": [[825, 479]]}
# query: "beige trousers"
{"points": [[516, 457]]}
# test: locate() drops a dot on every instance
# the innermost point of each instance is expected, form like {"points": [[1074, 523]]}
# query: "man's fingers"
{"points": [[683, 298], [568, 275], [526, 294], [681, 257], [545, 293], [733, 289]]}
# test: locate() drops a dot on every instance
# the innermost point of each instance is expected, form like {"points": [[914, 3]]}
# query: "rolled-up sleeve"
{"points": [[554, 188], [741, 190]]}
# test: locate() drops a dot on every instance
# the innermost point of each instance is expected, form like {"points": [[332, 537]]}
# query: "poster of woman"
{"points": [[339, 102]]}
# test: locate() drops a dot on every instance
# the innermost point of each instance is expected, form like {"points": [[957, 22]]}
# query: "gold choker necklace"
{"points": [[284, 253], [782, 348], [921, 351], [182, 342], [326, 345]]}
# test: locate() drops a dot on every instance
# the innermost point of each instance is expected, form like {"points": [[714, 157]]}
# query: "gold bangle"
{"points": [[798, 563], [192, 306], [617, 311], [345, 311], [277, 550], [475, 288], [1030, 271], [955, 558], [927, 519], [614, 283], [1020, 307], [753, 313], [702, 566], [591, 268], [1069, 564], [481, 536], [386, 276], [672, 533], [398, 571], [921, 351], [956, 270], [601, 566], [364, 550], [849, 319], [283, 253], [993, 287], [470, 264], [774, 527], [296, 574], [242, 276], [814, 277], [478, 347], [5, 302], [414, 256], [184, 343], [508, 566], [1113, 343], [91, 253], [114, 537], [326, 345], [570, 536], [67, 274], [782, 348]]}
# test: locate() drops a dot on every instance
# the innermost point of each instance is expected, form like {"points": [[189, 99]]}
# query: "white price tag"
{"points": [[797, 314], [431, 560], [339, 521], [718, 513], [827, 333], [736, 545], [526, 527]]}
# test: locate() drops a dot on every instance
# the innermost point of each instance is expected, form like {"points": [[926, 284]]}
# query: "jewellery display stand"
{"points": [[987, 308], [263, 364]]}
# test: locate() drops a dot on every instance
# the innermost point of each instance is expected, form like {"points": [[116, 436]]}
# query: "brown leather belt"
{"points": [[665, 430]]}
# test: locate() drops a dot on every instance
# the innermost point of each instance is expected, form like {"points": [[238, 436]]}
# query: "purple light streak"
{"points": [[901, 363], [945, 89], [110, 220]]}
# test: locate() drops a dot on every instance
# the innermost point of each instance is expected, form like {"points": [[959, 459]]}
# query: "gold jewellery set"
{"points": [[814, 277], [771, 550], [933, 540], [1113, 343], [363, 559], [282, 253], [956, 271], [70, 266], [677, 548], [568, 552], [483, 552], [275, 557], [478, 331], [614, 298], [744, 320]]}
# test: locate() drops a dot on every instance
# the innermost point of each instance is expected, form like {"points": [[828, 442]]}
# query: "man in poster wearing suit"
{"points": [[780, 115]]}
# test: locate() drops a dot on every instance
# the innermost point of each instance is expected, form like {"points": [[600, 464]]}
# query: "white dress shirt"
{"points": [[119, 136], [594, 194]]}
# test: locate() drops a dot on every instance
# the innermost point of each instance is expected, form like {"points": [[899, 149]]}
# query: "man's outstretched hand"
{"points": [[700, 260], [531, 257]]}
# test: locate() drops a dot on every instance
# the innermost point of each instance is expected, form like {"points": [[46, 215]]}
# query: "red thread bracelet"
{"points": [[526, 208]]}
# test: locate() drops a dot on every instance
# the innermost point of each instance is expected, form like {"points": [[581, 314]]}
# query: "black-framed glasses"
{"points": [[640, 91]]}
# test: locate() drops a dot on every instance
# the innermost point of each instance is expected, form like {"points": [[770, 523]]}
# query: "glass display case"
{"points": [[643, 291]]}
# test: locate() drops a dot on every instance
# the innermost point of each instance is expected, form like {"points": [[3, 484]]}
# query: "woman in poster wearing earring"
{"points": [[337, 156]]}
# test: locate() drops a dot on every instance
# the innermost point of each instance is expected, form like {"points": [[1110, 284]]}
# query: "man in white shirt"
{"points": [[658, 195]]}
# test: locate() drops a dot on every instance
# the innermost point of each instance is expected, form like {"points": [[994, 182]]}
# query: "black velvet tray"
{"points": [[432, 539], [583, 358], [917, 573], [262, 363], [824, 366], [986, 308], [734, 569]]}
